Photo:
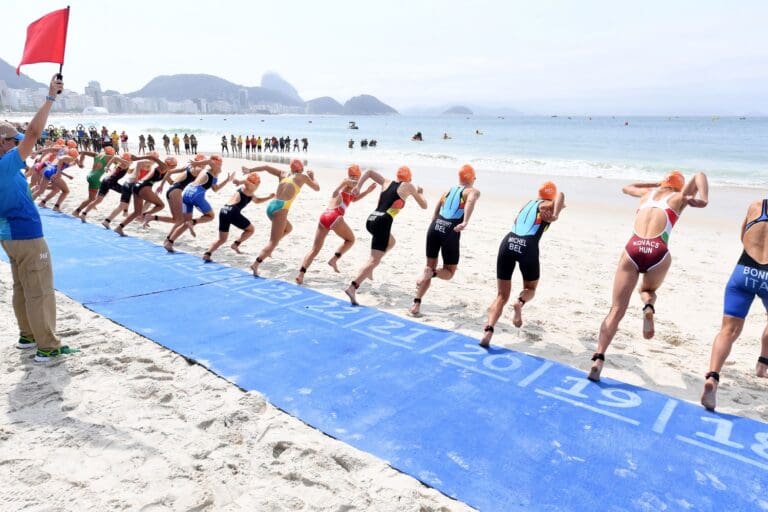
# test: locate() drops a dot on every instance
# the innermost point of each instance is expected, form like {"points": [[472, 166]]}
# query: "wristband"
{"points": [[50, 98]]}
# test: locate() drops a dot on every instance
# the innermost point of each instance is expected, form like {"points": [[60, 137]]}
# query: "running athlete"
{"points": [[521, 246], [332, 219], [110, 182], [138, 173], [54, 172], [646, 252], [277, 209], [452, 214], [142, 191], [749, 278], [101, 161], [231, 214], [379, 224], [194, 197], [174, 193]]}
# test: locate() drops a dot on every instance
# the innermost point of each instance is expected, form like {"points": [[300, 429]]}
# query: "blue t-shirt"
{"points": [[19, 219]]}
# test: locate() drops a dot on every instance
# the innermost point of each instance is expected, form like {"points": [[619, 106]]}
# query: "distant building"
{"points": [[93, 89], [202, 105], [243, 99]]}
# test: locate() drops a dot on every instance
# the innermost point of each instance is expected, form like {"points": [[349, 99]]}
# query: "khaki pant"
{"points": [[34, 301]]}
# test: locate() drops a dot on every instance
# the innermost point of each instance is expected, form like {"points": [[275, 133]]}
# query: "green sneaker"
{"points": [[25, 342], [43, 356]]}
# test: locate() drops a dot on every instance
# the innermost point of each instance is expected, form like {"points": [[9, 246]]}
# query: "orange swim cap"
{"points": [[127, 156], [73, 153], [199, 157], [59, 142], [71, 144], [467, 174], [548, 191], [253, 178], [171, 162], [216, 158], [674, 180], [109, 150], [404, 174], [353, 171], [297, 166]]}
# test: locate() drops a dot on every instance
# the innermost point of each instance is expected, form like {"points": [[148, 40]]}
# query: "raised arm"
{"points": [[698, 185], [36, 125], [309, 179], [638, 189], [370, 173], [263, 168]]}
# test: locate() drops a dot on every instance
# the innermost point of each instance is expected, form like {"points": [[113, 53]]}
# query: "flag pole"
{"points": [[61, 64]]}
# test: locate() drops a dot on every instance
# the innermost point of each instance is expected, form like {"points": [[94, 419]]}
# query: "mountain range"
{"points": [[273, 90]]}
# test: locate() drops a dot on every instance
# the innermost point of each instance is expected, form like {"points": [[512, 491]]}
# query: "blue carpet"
{"points": [[497, 429]]}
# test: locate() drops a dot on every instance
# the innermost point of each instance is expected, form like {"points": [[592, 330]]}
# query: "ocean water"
{"points": [[731, 150]]}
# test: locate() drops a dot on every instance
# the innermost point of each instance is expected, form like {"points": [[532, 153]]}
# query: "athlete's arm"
{"points": [[258, 200], [417, 193], [558, 206], [469, 207], [365, 192], [309, 179], [219, 186], [268, 168], [698, 185], [638, 189]]}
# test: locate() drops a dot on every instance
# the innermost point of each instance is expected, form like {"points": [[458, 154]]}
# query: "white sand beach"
{"points": [[127, 424]]}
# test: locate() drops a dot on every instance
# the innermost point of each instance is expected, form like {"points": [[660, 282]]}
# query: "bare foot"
{"points": [[351, 293], [56, 209], [332, 263], [168, 245], [709, 395], [235, 247], [426, 275], [105, 223], [255, 268], [517, 317], [300, 278], [207, 256], [648, 328], [415, 309], [119, 230], [761, 370], [75, 213], [41, 204], [595, 371], [147, 219], [82, 218]]}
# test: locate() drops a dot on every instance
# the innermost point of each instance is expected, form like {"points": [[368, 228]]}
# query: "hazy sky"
{"points": [[584, 56]]}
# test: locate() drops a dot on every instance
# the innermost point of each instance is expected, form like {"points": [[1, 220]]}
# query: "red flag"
{"points": [[46, 39]]}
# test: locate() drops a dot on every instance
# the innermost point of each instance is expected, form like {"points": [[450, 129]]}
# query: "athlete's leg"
{"points": [[651, 282], [721, 348], [503, 289]]}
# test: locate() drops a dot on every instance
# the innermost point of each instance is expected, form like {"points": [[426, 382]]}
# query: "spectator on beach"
{"points": [[224, 145], [193, 143], [124, 142], [142, 144], [247, 146], [304, 144], [176, 142], [747, 280], [240, 146], [351, 143], [296, 144], [233, 144], [167, 143], [21, 236], [150, 142], [115, 139], [258, 143], [186, 143]]}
